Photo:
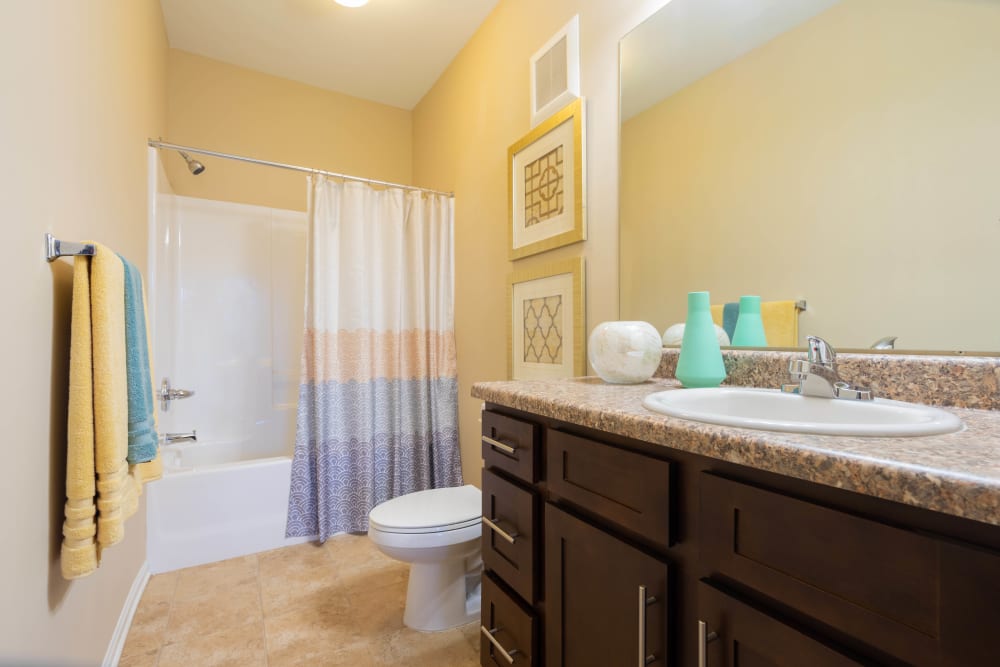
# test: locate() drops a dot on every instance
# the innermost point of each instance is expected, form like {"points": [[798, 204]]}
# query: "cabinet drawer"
{"points": [[878, 583], [510, 445], [629, 489], [745, 636], [506, 628], [509, 544]]}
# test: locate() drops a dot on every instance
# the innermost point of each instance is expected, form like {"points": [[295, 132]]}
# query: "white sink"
{"points": [[774, 410]]}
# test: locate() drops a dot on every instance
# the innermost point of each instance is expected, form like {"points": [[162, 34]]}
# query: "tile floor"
{"points": [[336, 604]]}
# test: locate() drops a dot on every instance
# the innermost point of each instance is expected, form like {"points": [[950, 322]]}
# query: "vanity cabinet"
{"points": [[630, 553], [606, 601]]}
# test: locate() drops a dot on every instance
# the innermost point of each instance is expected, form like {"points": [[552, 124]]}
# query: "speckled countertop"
{"points": [[956, 474]]}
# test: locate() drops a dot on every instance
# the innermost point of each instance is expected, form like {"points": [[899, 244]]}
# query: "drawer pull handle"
{"points": [[704, 638], [492, 525], [644, 601], [502, 446], [507, 655]]}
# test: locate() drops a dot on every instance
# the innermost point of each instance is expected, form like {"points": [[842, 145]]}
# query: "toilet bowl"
{"points": [[438, 533]]}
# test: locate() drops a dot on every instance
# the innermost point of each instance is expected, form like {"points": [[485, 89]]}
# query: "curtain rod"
{"points": [[280, 165]]}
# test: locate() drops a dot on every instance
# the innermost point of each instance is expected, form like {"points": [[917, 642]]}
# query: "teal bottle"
{"points": [[749, 326], [700, 363]]}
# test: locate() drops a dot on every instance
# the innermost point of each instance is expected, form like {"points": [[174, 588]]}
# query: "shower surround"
{"points": [[227, 291]]}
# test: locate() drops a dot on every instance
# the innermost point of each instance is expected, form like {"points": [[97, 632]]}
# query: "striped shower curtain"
{"points": [[377, 412]]}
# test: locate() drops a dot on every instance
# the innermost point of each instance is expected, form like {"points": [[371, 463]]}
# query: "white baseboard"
{"points": [[114, 652]]}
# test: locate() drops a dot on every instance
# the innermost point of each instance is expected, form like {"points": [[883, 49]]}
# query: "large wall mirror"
{"points": [[845, 153]]}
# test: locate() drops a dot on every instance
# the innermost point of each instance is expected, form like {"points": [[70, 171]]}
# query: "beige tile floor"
{"points": [[336, 604]]}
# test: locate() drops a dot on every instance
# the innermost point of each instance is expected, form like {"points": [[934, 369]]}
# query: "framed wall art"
{"points": [[545, 176], [546, 318]]}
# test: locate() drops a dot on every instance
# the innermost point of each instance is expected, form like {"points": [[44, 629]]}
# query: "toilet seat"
{"points": [[430, 511]]}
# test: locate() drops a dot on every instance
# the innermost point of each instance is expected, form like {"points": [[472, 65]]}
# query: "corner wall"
{"points": [[461, 131], [84, 87]]}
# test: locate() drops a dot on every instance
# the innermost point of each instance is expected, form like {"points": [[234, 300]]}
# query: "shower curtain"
{"points": [[378, 400]]}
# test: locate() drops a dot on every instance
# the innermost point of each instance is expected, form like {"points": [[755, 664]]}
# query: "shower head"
{"points": [[195, 166]]}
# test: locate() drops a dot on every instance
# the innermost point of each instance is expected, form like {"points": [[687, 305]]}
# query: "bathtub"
{"points": [[216, 500]]}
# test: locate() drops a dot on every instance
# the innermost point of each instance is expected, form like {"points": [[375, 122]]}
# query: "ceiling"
{"points": [[389, 51]]}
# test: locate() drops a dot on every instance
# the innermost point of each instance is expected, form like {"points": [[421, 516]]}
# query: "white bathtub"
{"points": [[215, 501]]}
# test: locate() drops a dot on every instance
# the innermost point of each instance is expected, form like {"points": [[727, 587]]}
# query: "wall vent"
{"points": [[555, 72]]}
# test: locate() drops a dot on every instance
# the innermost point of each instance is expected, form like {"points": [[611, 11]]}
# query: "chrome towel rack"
{"points": [[54, 248]]}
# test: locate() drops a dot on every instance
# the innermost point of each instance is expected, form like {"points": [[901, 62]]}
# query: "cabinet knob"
{"points": [[502, 446], [644, 601], [507, 655], [704, 639], [492, 525]]}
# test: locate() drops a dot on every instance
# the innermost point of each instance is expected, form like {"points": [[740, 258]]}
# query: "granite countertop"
{"points": [[956, 473]]}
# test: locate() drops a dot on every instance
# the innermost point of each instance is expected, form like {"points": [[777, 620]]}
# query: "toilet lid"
{"points": [[430, 511]]}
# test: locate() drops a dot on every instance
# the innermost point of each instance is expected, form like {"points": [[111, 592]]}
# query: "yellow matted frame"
{"points": [[574, 112], [576, 336]]}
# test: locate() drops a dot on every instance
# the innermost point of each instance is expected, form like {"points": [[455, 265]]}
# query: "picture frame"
{"points": [[546, 184], [545, 317]]}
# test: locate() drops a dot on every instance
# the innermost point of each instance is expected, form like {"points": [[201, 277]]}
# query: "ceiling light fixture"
{"points": [[352, 3]]}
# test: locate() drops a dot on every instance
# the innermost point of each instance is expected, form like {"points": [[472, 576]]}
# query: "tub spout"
{"points": [[172, 438]]}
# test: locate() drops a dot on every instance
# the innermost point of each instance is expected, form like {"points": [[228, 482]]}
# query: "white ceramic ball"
{"points": [[624, 352], [674, 335]]}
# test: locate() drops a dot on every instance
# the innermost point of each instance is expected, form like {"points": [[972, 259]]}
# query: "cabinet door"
{"points": [[738, 635], [606, 601]]}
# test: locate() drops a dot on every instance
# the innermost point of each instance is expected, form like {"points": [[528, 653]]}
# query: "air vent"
{"points": [[555, 72]]}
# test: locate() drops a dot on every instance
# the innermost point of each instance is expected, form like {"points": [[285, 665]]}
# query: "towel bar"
{"points": [[54, 248], [800, 305]]}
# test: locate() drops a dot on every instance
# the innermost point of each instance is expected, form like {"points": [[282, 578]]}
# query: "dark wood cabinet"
{"points": [[623, 549], [736, 634], [606, 601]]}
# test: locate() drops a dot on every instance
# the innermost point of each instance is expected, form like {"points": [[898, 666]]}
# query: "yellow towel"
{"points": [[79, 547], [97, 445], [717, 314], [780, 318], [781, 323]]}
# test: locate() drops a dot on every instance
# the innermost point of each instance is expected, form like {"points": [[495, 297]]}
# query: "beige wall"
{"points": [[461, 131], [214, 105], [83, 88], [851, 162]]}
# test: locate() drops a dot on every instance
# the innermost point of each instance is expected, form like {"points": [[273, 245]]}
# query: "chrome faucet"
{"points": [[817, 375], [887, 343], [171, 438]]}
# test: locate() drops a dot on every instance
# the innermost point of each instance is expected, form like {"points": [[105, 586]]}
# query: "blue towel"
{"points": [[141, 418], [730, 313]]}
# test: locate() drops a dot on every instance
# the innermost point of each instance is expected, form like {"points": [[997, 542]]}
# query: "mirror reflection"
{"points": [[846, 154]]}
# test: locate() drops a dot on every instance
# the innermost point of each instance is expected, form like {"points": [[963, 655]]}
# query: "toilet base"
{"points": [[441, 596]]}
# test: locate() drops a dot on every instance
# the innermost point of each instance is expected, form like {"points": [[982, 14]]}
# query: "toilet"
{"points": [[438, 533]]}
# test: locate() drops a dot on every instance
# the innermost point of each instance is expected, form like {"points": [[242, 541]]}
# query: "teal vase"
{"points": [[700, 363], [749, 326]]}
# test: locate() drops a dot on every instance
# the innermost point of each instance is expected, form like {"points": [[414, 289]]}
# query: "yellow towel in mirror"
{"points": [[781, 322]]}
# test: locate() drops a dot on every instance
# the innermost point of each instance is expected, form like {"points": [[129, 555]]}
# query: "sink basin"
{"points": [[774, 410]]}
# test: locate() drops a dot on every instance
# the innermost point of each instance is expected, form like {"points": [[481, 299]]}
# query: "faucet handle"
{"points": [[820, 352]]}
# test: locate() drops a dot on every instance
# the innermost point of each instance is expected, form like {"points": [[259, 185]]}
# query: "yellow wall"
{"points": [[851, 161], [461, 131], [84, 86], [214, 105]]}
